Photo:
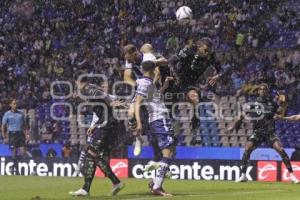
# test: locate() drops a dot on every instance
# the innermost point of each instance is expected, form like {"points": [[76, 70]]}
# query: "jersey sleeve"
{"points": [[142, 87], [5, 118]]}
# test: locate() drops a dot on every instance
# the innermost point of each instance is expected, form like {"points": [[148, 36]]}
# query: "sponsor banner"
{"points": [[57, 167], [267, 171], [119, 167], [196, 170], [285, 175]]}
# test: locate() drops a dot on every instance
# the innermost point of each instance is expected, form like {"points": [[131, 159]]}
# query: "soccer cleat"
{"points": [[137, 146], [243, 178], [80, 192], [117, 188], [152, 165], [294, 179], [160, 192], [151, 184]]}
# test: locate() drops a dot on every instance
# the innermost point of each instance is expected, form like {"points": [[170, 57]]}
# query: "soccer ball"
{"points": [[184, 12]]}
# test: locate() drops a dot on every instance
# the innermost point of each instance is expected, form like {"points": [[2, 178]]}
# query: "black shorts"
{"points": [[259, 137], [16, 139], [103, 141]]}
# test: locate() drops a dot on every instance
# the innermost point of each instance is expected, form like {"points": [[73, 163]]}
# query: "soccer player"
{"points": [[81, 160], [132, 72], [262, 112], [148, 94], [89, 140], [14, 133], [190, 63], [104, 138]]}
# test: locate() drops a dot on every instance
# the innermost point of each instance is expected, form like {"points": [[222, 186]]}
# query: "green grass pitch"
{"points": [[55, 188]]}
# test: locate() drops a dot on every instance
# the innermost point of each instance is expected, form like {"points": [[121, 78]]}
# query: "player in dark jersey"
{"points": [[262, 112], [103, 140], [190, 64]]}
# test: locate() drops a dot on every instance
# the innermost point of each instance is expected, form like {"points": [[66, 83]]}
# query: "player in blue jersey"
{"points": [[160, 124]]}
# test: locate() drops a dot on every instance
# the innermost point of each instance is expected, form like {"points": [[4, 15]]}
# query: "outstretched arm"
{"points": [[289, 118], [237, 124]]}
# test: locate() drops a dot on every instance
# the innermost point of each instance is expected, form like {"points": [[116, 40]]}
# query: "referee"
{"points": [[13, 132]]}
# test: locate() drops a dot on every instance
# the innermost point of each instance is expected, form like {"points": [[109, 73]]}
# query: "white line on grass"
{"points": [[204, 195]]}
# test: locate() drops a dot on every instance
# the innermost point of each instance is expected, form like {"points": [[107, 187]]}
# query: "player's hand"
{"points": [[213, 80], [281, 98], [119, 104], [138, 129], [278, 116], [91, 130], [167, 81]]}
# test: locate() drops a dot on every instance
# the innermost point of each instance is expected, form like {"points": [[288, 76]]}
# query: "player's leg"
{"points": [[153, 164], [90, 168], [12, 145], [161, 172], [21, 145], [82, 156], [285, 158], [103, 164], [104, 149], [163, 131], [80, 161], [250, 146], [138, 138], [193, 98]]}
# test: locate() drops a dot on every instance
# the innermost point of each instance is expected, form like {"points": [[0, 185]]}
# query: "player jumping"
{"points": [[148, 94], [191, 63]]}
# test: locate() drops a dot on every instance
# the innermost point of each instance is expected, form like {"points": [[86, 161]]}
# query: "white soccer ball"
{"points": [[184, 12]]}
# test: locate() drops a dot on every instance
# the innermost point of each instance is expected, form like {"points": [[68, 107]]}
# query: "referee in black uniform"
{"points": [[13, 132]]}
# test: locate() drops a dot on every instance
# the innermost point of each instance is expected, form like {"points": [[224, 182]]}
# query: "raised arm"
{"points": [[290, 118], [237, 123], [128, 77]]}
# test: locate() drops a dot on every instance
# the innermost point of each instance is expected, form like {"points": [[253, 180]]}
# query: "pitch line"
{"points": [[205, 195]]}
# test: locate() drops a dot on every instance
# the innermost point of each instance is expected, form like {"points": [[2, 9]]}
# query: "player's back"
{"points": [[153, 100]]}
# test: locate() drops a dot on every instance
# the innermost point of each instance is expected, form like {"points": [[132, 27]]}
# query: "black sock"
{"points": [[286, 161], [104, 166], [15, 167], [245, 159], [90, 168]]}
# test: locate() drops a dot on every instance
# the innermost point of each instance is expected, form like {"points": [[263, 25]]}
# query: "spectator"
{"points": [[51, 153], [67, 151]]}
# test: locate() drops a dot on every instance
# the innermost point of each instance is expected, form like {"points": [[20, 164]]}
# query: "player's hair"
{"points": [[148, 66], [130, 48], [12, 99], [205, 40]]}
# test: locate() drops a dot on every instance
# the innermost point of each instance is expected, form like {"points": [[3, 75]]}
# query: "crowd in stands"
{"points": [[42, 41]]}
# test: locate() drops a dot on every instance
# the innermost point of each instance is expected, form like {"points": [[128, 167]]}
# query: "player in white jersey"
{"points": [[133, 59], [148, 95]]}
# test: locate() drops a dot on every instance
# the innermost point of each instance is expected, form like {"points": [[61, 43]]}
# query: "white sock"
{"points": [[160, 175]]}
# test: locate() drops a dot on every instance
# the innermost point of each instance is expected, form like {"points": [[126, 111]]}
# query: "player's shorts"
{"points": [[103, 141], [16, 139], [163, 131], [259, 137]]}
